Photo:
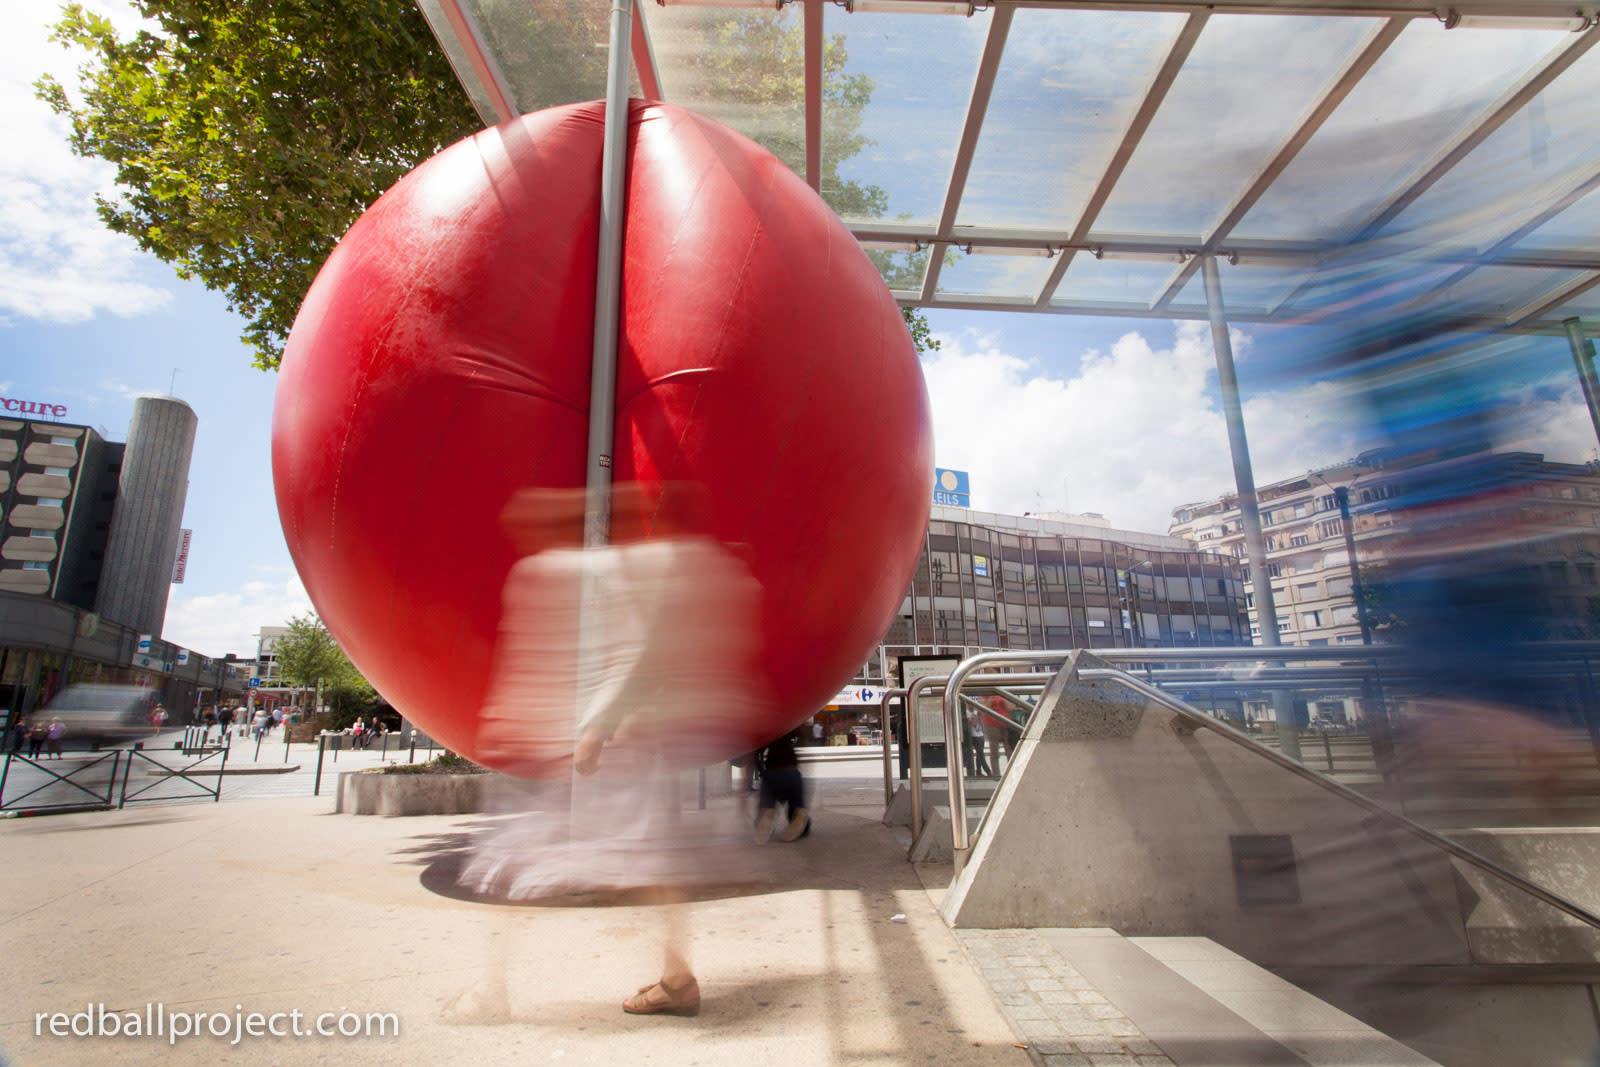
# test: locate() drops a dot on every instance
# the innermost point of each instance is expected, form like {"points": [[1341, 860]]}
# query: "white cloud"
{"points": [[1556, 424], [228, 622], [1134, 433], [58, 262]]}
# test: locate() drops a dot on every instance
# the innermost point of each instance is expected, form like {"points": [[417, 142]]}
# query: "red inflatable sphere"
{"points": [[441, 362]]}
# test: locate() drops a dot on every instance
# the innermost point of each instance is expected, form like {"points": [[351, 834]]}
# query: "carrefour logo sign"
{"points": [[950, 487]]}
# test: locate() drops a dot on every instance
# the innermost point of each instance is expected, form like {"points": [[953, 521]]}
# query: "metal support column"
{"points": [[608, 280], [1583, 357], [1245, 483]]}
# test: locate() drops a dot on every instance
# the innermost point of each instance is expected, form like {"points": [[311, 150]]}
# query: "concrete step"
{"points": [[934, 846], [1074, 995]]}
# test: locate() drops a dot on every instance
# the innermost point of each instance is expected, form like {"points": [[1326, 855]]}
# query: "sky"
{"points": [[1046, 413]]}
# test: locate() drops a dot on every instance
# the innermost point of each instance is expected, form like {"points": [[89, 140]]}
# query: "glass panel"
{"points": [[1245, 286], [1500, 291], [1425, 88], [1066, 88], [901, 120], [744, 68], [994, 275], [1122, 280], [1217, 125], [1542, 152], [900, 270], [1578, 227], [1585, 304], [550, 53]]}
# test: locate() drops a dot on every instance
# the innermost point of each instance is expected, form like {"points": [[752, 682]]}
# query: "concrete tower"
{"points": [[149, 513]]}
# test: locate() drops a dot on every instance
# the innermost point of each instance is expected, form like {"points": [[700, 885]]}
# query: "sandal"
{"points": [[658, 998]]}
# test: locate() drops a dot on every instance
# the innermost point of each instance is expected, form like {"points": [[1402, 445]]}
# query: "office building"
{"points": [[989, 581]]}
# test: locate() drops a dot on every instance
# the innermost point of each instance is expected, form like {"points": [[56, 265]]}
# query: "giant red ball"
{"points": [[441, 361]]}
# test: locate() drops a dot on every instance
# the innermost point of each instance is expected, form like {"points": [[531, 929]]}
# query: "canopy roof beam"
{"points": [[1376, 44], [994, 47], [1154, 95]]}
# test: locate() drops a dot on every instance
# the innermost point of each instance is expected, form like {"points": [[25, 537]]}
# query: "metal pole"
{"points": [[608, 280], [1372, 689], [914, 739], [322, 744], [1244, 481], [883, 724], [1583, 357]]}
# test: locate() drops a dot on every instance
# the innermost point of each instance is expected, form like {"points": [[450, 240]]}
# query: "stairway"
{"points": [[1074, 997]]}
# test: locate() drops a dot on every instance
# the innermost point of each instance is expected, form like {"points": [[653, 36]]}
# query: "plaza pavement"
{"points": [[279, 905]]}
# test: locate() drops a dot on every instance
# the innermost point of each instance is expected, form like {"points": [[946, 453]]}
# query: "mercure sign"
{"points": [[32, 407]]}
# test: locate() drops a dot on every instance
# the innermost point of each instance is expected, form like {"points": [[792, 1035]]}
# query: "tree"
{"points": [[309, 657], [248, 135]]}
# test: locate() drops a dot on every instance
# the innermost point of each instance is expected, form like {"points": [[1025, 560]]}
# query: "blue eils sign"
{"points": [[950, 487]]}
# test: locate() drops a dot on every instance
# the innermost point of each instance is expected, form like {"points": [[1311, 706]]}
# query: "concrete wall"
{"points": [[1117, 815]]}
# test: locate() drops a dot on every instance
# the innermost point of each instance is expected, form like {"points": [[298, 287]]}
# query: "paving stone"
{"points": [[1066, 1061], [1087, 1043]]}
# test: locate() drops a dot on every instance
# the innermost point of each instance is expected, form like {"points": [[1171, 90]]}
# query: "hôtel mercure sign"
{"points": [[32, 407]]}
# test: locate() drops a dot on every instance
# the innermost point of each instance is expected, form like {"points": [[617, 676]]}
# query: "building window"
{"points": [[1274, 570], [1299, 540], [1327, 503], [1331, 528], [1310, 619]]}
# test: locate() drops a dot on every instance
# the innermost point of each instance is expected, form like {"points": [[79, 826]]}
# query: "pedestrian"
{"points": [[816, 732], [53, 735], [672, 687], [224, 721], [782, 783], [999, 729], [158, 719], [36, 732], [977, 760], [19, 733], [357, 728]]}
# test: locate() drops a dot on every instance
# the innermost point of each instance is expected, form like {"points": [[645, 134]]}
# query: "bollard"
{"points": [[1327, 750], [286, 740], [413, 757], [322, 742], [259, 735], [702, 789]]}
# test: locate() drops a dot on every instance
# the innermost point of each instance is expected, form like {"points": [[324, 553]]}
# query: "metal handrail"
{"points": [[1417, 830], [953, 751], [960, 840]]}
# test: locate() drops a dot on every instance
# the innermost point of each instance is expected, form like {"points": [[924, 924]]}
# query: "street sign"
{"points": [[254, 683]]}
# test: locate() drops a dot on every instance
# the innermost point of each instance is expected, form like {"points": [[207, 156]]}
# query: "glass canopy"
{"points": [[1075, 157]]}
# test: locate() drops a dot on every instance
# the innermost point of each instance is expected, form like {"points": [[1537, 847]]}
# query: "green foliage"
{"points": [[921, 335], [249, 134], [443, 763], [308, 656]]}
